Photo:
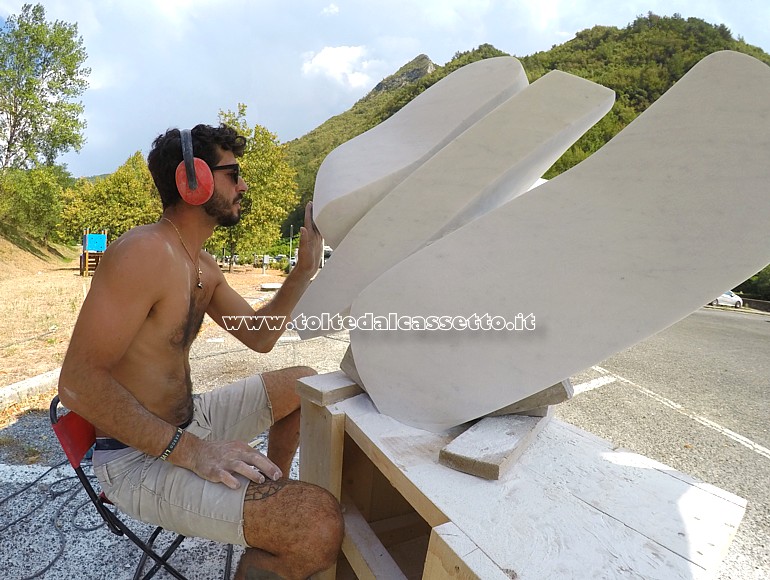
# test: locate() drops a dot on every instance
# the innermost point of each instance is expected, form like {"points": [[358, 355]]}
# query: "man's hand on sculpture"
{"points": [[218, 461], [310, 245]]}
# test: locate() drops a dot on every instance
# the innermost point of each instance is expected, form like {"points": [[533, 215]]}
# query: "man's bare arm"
{"points": [[227, 302]]}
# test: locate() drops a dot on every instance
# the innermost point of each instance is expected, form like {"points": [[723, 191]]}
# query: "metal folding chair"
{"points": [[77, 436]]}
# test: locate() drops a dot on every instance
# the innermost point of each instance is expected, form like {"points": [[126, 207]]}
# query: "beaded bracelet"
{"points": [[172, 444]]}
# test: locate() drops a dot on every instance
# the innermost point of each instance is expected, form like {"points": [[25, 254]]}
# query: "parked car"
{"points": [[729, 298]]}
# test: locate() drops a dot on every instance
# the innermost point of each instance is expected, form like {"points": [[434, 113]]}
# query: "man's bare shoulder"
{"points": [[140, 239], [209, 264], [143, 253]]}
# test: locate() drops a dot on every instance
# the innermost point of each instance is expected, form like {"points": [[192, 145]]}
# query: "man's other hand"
{"points": [[218, 461], [310, 245]]}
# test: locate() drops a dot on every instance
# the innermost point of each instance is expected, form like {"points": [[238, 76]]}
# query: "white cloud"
{"points": [[105, 75], [331, 9], [549, 14], [344, 64], [453, 14]]}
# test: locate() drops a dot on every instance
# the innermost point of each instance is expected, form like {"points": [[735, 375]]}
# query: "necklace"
{"points": [[189, 255]]}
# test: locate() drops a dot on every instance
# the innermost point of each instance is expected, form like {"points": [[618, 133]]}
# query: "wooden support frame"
{"points": [[394, 491], [320, 459]]}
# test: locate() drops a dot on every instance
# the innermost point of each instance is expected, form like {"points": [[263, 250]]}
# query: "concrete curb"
{"points": [[745, 309], [17, 392]]}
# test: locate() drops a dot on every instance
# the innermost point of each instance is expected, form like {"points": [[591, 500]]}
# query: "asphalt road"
{"points": [[697, 398]]}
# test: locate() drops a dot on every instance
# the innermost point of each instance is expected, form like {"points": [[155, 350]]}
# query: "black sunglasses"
{"points": [[233, 167]]}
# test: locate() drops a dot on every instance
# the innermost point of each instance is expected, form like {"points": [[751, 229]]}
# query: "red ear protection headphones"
{"points": [[194, 179]]}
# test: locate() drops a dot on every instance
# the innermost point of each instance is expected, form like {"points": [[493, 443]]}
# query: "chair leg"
{"points": [[167, 554], [164, 557], [228, 561], [170, 550], [143, 559]]}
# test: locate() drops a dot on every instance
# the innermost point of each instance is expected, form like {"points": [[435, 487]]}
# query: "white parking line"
{"points": [[608, 377], [593, 384]]}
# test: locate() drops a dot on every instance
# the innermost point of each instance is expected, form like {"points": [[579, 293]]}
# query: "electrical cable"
{"points": [[60, 533], [22, 490], [54, 492]]}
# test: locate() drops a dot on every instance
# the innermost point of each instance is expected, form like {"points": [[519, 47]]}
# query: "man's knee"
{"points": [[330, 530], [306, 524], [286, 378], [300, 372], [281, 389]]}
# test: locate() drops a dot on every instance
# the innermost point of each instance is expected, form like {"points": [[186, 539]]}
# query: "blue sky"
{"points": [[174, 63]]}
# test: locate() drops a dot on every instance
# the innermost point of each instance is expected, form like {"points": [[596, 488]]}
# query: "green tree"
{"points": [[271, 195], [41, 77], [32, 200], [124, 199], [758, 286]]}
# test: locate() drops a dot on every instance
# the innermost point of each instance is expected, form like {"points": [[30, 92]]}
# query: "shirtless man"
{"points": [[164, 455]]}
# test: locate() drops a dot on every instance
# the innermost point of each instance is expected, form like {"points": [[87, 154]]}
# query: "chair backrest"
{"points": [[75, 434]]}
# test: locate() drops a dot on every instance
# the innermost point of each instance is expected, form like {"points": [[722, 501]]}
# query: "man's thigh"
{"points": [[160, 493], [238, 411]]}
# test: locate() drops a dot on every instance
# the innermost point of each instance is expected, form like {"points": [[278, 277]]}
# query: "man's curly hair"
{"points": [[166, 154]]}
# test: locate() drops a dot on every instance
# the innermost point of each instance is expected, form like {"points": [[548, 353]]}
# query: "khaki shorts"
{"points": [[162, 494]]}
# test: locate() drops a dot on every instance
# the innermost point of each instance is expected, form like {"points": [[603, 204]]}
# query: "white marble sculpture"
{"points": [[499, 157], [677, 204], [357, 174]]}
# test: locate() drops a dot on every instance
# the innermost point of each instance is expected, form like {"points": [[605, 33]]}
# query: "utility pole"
{"points": [[291, 239]]}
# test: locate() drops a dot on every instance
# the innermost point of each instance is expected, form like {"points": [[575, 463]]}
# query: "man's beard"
{"points": [[222, 210]]}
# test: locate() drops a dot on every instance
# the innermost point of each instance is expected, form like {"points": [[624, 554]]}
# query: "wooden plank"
{"points": [[691, 519], [365, 553], [492, 445], [553, 395], [451, 554], [322, 431], [536, 412], [328, 388]]}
